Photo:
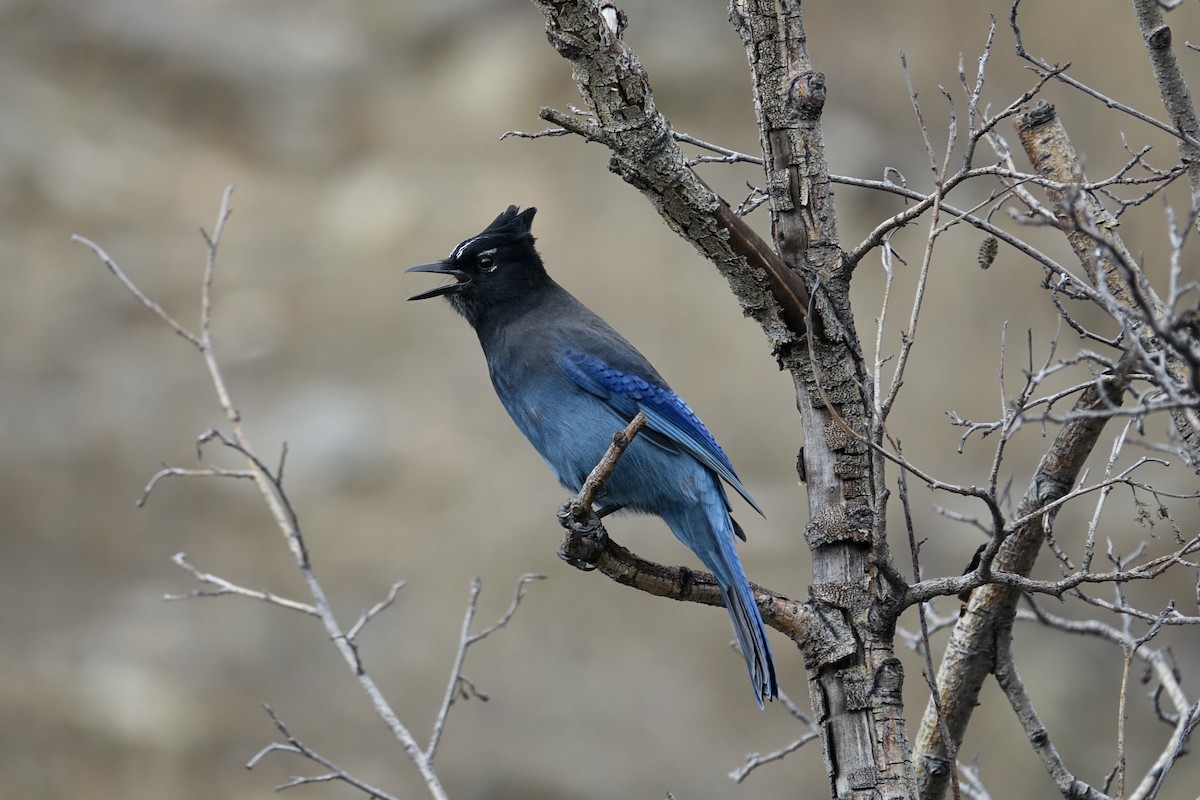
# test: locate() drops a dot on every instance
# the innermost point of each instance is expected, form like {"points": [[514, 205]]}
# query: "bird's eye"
{"points": [[487, 263]]}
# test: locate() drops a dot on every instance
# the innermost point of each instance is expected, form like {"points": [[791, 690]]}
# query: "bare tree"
{"points": [[1136, 368]]}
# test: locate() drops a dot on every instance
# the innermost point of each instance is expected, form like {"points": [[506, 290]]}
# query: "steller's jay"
{"points": [[569, 382]]}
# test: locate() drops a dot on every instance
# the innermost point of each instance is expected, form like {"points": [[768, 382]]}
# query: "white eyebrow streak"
{"points": [[458, 250]]}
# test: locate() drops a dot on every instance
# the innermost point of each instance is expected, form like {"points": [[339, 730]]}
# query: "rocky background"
{"points": [[364, 137]]}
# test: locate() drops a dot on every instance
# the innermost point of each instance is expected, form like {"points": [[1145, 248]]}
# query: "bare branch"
{"points": [[370, 613], [990, 608], [876, 237], [1059, 73], [523, 583], [929, 672], [136, 292], [210, 265], [725, 155], [224, 587], [294, 745], [465, 640], [1172, 88], [548, 132], [1176, 747], [912, 99], [167, 472], [1035, 731], [597, 550], [755, 760], [1159, 660], [271, 489]]}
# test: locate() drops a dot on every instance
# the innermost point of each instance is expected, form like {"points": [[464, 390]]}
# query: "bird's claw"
{"points": [[585, 539], [577, 563], [577, 519]]}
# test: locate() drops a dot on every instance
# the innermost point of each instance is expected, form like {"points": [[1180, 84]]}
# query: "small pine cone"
{"points": [[987, 251]]}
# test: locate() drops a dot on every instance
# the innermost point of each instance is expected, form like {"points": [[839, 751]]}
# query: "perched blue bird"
{"points": [[569, 382]]}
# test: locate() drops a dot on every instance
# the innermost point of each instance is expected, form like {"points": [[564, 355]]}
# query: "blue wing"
{"points": [[666, 413]]}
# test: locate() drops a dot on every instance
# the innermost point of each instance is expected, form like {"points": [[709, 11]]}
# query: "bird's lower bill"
{"points": [[461, 281]]}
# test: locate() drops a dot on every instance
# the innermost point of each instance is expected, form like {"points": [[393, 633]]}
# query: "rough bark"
{"points": [[1049, 148], [857, 700]]}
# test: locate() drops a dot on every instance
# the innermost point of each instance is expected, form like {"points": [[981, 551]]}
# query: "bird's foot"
{"points": [[578, 519], [585, 539]]}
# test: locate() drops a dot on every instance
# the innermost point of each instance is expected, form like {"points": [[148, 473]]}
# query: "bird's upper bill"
{"points": [[461, 280]]}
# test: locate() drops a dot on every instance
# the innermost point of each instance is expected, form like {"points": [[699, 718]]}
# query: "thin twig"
{"points": [[523, 583], [1160, 662], [548, 132], [1022, 704], [929, 672], [465, 640], [211, 472], [370, 613], [225, 587], [298, 747], [137, 293], [1059, 73], [755, 760]]}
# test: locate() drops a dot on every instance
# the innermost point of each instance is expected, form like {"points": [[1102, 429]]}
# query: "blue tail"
{"points": [[707, 530]]}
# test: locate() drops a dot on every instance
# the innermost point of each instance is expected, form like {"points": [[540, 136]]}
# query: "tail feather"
{"points": [[752, 639], [715, 548]]}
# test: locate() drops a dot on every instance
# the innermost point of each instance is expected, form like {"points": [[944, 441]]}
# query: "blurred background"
{"points": [[364, 137]]}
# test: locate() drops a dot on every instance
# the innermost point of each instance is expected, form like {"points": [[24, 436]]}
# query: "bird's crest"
{"points": [[508, 228], [512, 222]]}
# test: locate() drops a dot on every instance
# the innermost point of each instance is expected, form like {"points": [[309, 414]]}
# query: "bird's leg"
{"points": [[585, 539]]}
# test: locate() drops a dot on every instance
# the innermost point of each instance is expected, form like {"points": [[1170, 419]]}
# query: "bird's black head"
{"points": [[493, 269]]}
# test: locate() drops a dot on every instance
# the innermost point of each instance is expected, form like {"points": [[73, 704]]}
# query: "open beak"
{"points": [[440, 268]]}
